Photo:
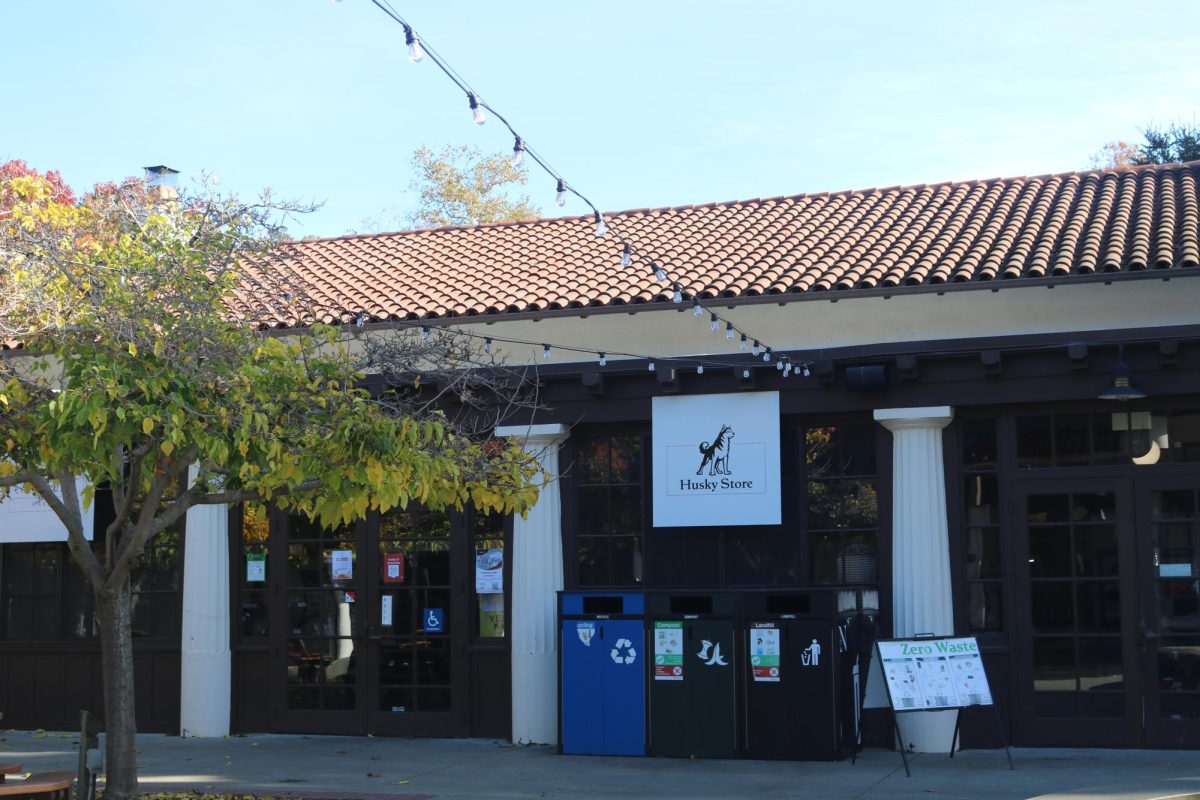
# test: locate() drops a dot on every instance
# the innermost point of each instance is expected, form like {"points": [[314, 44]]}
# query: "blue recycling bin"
{"points": [[602, 674]]}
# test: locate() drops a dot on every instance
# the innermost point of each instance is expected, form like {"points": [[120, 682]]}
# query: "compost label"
{"points": [[668, 651]]}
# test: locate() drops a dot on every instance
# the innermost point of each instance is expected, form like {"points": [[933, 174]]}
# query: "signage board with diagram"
{"points": [[929, 673]]}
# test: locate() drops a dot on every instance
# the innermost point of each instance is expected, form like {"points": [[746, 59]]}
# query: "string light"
{"points": [[487, 345], [677, 295], [699, 369], [805, 371], [545, 351], [478, 116], [745, 373], [779, 366], [715, 324], [603, 360], [697, 309], [743, 342], [650, 366], [360, 321], [767, 354], [424, 333], [415, 53], [755, 350]]}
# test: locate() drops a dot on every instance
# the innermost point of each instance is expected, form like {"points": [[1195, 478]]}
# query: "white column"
{"points": [[537, 576], [205, 672], [921, 596]]}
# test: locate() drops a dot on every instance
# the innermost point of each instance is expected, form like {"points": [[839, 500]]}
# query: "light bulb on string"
{"points": [[487, 345], [729, 331], [697, 309], [415, 53], [699, 369], [560, 197], [424, 333], [545, 351], [767, 355], [755, 349], [677, 294], [779, 366], [626, 256], [518, 156], [743, 342], [805, 371], [603, 360], [360, 321], [601, 228], [650, 366], [745, 373], [478, 116], [715, 324], [658, 273]]}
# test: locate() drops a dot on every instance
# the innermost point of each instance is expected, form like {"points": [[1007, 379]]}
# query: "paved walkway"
{"points": [[367, 767]]}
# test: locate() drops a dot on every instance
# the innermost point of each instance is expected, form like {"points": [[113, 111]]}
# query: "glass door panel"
{"points": [[1080, 665], [1170, 622], [414, 626], [319, 636]]}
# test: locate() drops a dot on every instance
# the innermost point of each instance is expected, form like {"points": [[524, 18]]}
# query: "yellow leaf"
{"points": [[147, 425], [133, 349], [167, 448]]}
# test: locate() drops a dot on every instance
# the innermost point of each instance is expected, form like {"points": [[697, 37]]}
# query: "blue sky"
{"points": [[637, 104]]}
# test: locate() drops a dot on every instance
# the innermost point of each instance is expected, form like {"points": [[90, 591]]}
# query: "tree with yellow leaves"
{"points": [[140, 372]]}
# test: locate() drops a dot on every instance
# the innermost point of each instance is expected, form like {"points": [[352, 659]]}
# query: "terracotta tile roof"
{"points": [[1112, 221]]}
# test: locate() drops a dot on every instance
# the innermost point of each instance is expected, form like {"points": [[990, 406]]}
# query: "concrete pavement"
{"points": [[448, 769]]}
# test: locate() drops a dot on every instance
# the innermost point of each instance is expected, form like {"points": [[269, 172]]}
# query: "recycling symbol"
{"points": [[623, 652]]}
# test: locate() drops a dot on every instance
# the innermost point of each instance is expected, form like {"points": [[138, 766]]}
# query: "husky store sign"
{"points": [[716, 460]]}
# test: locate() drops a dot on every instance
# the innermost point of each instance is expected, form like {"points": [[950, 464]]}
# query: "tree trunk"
{"points": [[120, 725]]}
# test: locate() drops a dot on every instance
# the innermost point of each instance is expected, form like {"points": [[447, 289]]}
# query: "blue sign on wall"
{"points": [[434, 619]]}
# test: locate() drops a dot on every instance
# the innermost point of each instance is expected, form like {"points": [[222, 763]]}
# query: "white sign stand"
{"points": [[928, 673]]}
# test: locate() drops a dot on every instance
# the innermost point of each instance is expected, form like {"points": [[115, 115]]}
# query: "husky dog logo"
{"points": [[715, 455]]}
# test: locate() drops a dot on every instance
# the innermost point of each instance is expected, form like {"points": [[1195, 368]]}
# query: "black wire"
{"points": [[462, 84]]}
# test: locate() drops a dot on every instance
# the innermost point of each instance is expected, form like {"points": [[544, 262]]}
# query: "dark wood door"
{"points": [[416, 625], [318, 632], [1168, 625], [1079, 674]]}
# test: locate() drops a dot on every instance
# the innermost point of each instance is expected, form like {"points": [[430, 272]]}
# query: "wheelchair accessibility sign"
{"points": [[435, 620]]}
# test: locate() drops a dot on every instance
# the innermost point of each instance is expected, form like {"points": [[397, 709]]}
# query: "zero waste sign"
{"points": [[716, 460]]}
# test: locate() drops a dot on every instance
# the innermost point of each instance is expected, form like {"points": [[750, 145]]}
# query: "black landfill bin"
{"points": [[693, 665], [799, 686]]}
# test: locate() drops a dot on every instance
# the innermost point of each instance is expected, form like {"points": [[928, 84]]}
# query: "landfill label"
{"points": [[668, 651], [764, 655]]}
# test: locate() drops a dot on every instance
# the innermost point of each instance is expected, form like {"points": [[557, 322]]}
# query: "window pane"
{"points": [[1100, 507], [1050, 552], [985, 612], [1054, 664], [1099, 604], [979, 444], [983, 553], [1052, 607], [593, 509], [1044, 508], [1033, 441], [78, 617], [1096, 551], [593, 460], [625, 508], [626, 459], [982, 499], [1183, 434], [254, 615], [1071, 440], [1100, 664], [1108, 445], [1179, 504], [593, 560], [823, 552], [626, 561]]}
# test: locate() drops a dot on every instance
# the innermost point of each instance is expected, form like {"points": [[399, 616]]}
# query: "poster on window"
{"points": [[716, 460], [341, 565], [25, 517], [489, 571]]}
